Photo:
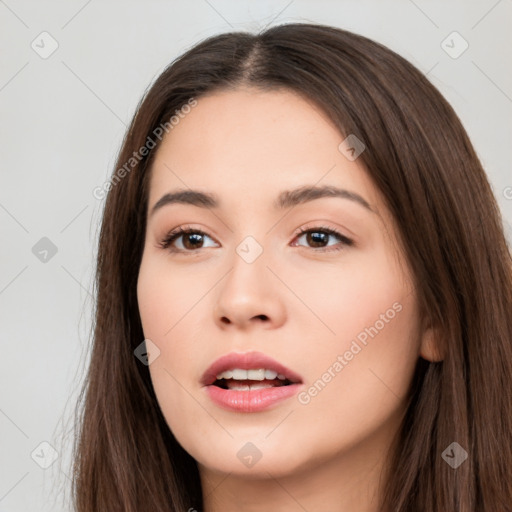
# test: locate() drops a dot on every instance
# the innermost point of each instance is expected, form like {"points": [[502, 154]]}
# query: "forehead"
{"points": [[242, 124], [249, 144]]}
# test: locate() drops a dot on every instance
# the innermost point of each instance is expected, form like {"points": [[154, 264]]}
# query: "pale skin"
{"points": [[300, 302]]}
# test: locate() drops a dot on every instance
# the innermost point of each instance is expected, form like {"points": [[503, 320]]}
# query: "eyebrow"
{"points": [[286, 199]]}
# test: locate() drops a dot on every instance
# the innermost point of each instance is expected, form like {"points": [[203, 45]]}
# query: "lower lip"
{"points": [[250, 401]]}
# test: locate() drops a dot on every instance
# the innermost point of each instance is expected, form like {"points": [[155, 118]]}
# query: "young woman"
{"points": [[304, 292]]}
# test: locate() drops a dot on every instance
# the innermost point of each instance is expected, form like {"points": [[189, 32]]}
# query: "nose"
{"points": [[250, 295]]}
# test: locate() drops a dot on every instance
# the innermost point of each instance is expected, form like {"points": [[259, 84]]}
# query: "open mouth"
{"points": [[239, 379], [247, 384]]}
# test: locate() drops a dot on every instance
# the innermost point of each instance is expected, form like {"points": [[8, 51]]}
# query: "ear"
{"points": [[430, 346]]}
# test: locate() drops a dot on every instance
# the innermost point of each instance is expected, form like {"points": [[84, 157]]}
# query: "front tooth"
{"points": [[258, 374], [253, 374], [239, 374]]}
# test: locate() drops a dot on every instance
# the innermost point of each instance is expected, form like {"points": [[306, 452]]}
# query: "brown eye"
{"points": [[191, 239], [317, 238]]}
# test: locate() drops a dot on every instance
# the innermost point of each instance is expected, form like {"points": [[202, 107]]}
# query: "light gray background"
{"points": [[62, 121]]}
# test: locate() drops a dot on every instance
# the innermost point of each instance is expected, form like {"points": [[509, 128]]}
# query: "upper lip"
{"points": [[246, 361]]}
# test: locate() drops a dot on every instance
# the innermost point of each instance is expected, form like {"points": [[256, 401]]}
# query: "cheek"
{"points": [[171, 310], [364, 360], [356, 390], [164, 296], [350, 296]]}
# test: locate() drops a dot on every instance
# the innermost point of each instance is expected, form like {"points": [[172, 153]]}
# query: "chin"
{"points": [[248, 456]]}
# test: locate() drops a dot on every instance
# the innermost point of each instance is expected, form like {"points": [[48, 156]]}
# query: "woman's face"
{"points": [[338, 311]]}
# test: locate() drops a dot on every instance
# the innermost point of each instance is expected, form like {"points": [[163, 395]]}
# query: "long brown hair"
{"points": [[421, 160]]}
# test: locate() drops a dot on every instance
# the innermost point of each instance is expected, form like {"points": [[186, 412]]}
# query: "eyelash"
{"points": [[180, 231]]}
